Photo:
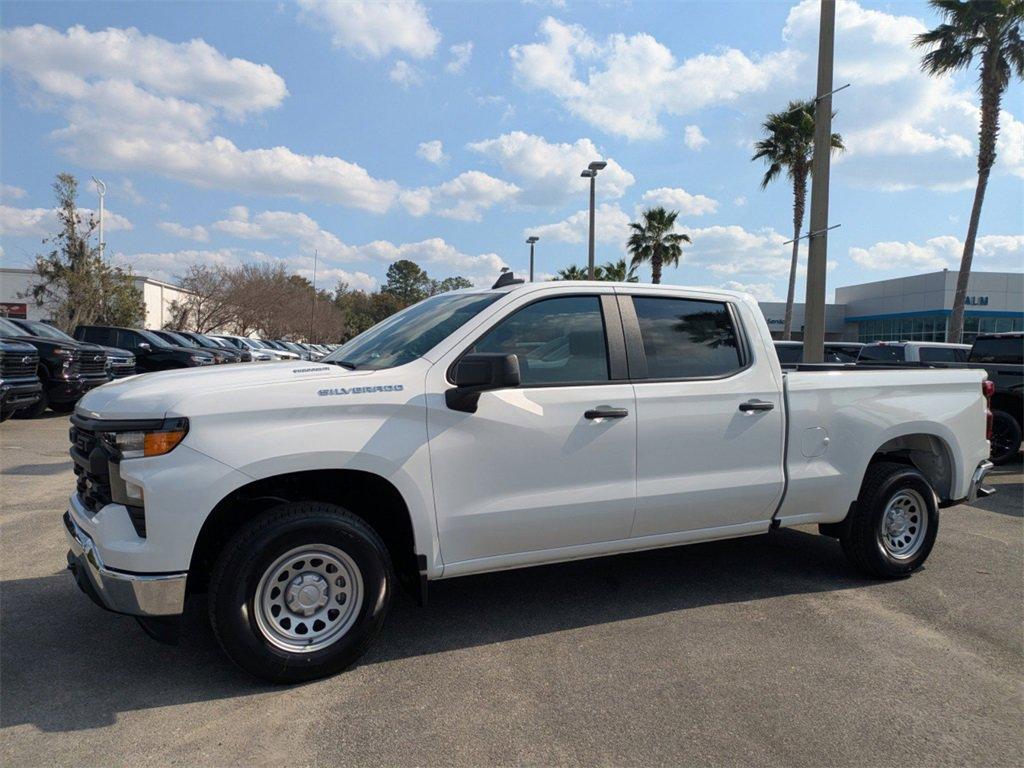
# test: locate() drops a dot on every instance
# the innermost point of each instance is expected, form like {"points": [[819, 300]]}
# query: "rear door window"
{"points": [[687, 338], [938, 354]]}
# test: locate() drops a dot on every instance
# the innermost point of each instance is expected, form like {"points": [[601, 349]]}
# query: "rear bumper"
{"points": [[135, 594], [978, 489]]}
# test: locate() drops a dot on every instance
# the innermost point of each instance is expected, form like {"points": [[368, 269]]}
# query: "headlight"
{"points": [[201, 359], [157, 442]]}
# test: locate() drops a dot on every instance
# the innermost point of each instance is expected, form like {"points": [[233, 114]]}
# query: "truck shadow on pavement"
{"points": [[66, 665]]}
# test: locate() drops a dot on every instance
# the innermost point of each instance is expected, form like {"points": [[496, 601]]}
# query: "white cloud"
{"points": [[549, 173], [482, 268], [11, 192], [694, 138], [992, 252], [461, 54], [25, 222], [740, 201], [374, 28], [158, 114], [405, 74], [760, 291], [611, 225], [127, 188], [465, 197], [295, 229], [630, 81], [197, 233], [730, 250], [65, 63], [677, 199], [170, 265], [432, 152]]}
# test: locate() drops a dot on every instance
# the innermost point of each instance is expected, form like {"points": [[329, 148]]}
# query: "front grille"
{"points": [[93, 467], [92, 363], [118, 370], [14, 366], [92, 470]]}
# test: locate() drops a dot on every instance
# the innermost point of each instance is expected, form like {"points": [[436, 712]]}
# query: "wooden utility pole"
{"points": [[817, 249]]}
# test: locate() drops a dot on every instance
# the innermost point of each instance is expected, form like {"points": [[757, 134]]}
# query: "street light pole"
{"points": [[532, 239], [591, 173], [312, 311], [817, 247], [101, 190]]}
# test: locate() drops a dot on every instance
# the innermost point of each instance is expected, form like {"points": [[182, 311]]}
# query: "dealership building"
{"points": [[15, 285], [915, 308]]}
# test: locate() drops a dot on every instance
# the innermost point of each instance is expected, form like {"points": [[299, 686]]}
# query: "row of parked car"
{"points": [[1000, 354], [41, 367]]}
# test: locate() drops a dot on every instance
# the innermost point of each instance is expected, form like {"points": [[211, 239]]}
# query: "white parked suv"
{"points": [[489, 429], [914, 352]]}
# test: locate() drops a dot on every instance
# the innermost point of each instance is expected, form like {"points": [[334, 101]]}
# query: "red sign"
{"points": [[13, 309]]}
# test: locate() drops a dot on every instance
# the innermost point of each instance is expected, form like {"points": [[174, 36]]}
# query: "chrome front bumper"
{"points": [[146, 595]]}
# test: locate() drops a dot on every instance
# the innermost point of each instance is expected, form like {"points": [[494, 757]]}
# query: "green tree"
{"points": [[407, 281], [654, 241], [989, 30], [572, 272], [75, 284], [788, 146], [449, 284], [616, 272]]}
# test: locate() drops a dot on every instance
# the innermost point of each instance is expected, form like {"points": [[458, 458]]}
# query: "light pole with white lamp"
{"points": [[532, 239], [101, 190], [591, 173]]}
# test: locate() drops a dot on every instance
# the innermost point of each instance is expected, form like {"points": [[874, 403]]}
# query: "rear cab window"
{"points": [[687, 338], [1006, 350], [883, 353]]}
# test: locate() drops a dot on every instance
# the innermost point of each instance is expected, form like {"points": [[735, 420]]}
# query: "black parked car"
{"points": [[1002, 357], [204, 341], [151, 352], [19, 380], [67, 369], [179, 339], [120, 362]]}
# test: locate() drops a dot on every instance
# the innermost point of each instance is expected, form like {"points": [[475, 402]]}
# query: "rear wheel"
{"points": [[300, 592], [1006, 437], [893, 525]]}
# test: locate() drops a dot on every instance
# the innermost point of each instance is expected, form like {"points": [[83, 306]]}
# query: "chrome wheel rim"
{"points": [[308, 598], [904, 524]]}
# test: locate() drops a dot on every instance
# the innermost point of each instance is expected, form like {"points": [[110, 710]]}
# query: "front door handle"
{"points": [[756, 405], [606, 412]]}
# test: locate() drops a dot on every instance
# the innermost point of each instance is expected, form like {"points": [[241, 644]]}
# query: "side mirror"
{"points": [[478, 373], [145, 346]]}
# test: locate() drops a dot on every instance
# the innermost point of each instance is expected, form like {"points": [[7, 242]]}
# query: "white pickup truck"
{"points": [[491, 429]]}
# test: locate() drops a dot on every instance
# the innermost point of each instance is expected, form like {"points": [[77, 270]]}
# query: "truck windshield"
{"points": [[45, 331], [882, 353], [152, 338], [408, 334]]}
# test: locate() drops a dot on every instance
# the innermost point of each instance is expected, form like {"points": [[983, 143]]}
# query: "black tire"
{"points": [[37, 409], [255, 549], [862, 536], [1006, 438]]}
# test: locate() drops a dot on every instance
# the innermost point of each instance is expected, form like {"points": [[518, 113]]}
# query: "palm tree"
{"points": [[572, 272], [654, 241], [990, 30], [788, 146], [616, 272]]}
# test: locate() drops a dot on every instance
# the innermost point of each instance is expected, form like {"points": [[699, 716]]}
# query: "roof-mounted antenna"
{"points": [[506, 278]]}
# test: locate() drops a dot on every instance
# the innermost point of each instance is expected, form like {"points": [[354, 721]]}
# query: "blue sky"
{"points": [[447, 132]]}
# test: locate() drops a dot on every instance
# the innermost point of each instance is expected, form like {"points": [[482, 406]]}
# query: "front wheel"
{"points": [[893, 525], [300, 592]]}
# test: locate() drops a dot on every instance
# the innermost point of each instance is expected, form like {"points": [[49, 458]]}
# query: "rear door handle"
{"points": [[606, 412], [756, 405]]}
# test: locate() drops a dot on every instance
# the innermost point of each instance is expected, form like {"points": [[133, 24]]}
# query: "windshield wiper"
{"points": [[343, 363]]}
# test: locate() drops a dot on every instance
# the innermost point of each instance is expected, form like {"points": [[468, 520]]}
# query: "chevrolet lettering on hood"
{"points": [[360, 390]]}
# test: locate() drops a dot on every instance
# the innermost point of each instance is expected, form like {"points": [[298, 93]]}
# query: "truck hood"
{"points": [[153, 395]]}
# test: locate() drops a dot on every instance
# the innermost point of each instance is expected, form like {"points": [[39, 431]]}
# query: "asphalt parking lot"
{"points": [[761, 651]]}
